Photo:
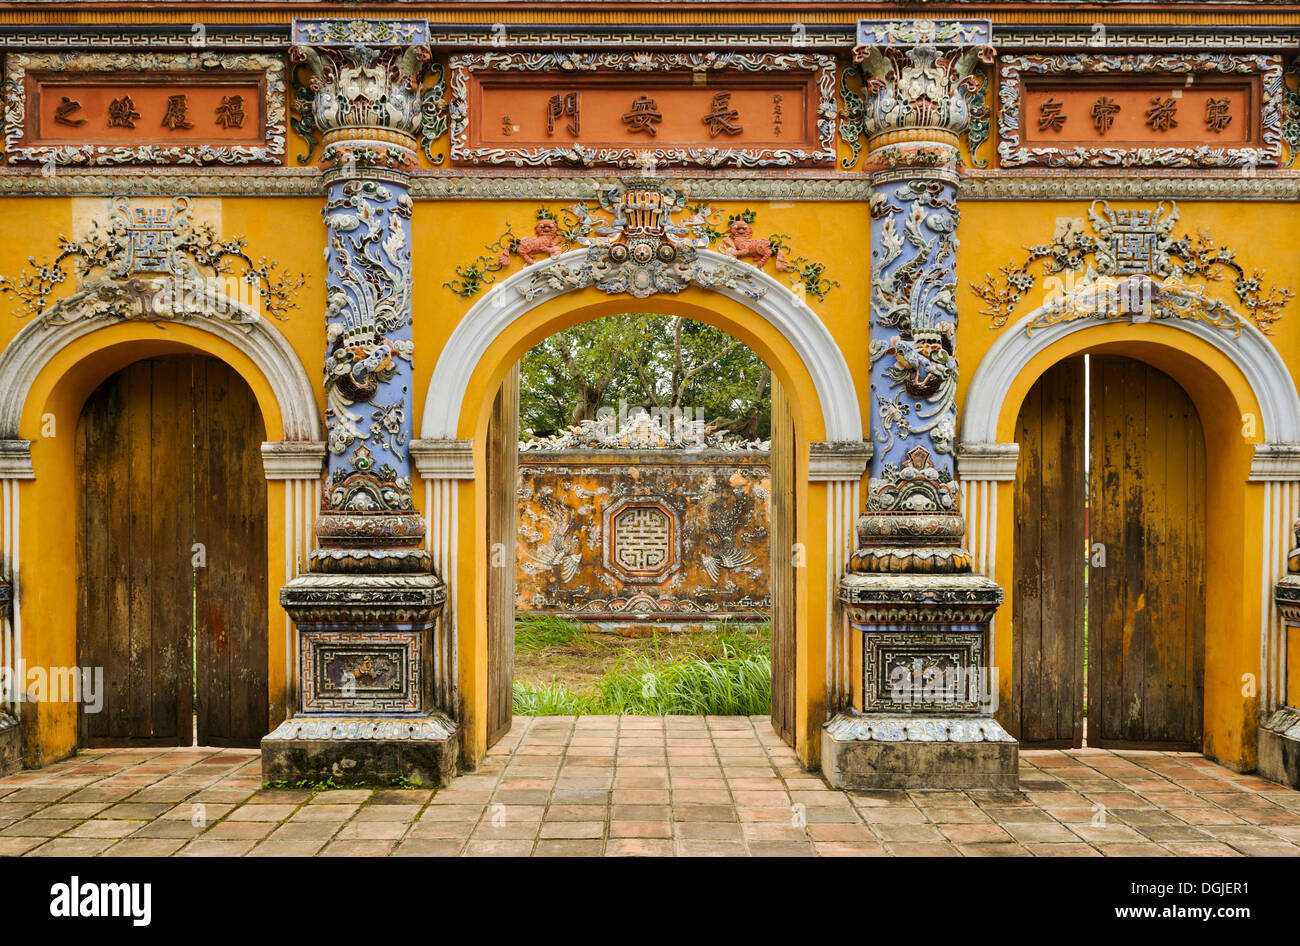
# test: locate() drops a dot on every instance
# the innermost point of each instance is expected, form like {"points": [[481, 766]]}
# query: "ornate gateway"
{"points": [[923, 224]]}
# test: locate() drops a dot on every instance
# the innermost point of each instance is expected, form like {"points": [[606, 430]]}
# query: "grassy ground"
{"points": [[562, 670]]}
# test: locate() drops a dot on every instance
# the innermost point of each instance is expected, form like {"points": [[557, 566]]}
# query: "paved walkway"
{"points": [[643, 785]]}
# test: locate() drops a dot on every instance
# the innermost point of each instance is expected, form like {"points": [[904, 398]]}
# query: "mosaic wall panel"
{"points": [[644, 535]]}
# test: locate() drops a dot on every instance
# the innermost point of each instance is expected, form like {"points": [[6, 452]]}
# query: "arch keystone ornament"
{"points": [[910, 591], [367, 611]]}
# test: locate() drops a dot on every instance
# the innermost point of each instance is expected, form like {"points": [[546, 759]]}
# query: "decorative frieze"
{"points": [[113, 109], [1030, 184], [798, 37], [642, 240]]}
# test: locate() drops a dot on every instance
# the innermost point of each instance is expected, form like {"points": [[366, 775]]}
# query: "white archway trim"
{"points": [[37, 343], [778, 306], [1250, 351]]}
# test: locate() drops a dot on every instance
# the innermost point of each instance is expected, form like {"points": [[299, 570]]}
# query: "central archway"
{"points": [[756, 309]]}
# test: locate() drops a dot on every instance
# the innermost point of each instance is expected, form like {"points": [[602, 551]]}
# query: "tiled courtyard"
{"points": [[643, 785]]}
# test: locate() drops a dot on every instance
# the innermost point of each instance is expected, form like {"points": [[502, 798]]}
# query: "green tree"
{"points": [[644, 360]]}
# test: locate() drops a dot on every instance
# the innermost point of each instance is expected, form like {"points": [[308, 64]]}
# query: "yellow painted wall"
{"points": [[452, 232]]}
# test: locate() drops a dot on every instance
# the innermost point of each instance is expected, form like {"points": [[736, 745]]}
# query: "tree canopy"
{"points": [[644, 360]]}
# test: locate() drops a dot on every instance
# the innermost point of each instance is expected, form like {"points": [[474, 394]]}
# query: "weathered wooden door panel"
{"points": [[503, 513], [1046, 708], [1146, 605], [167, 455], [782, 458], [231, 587], [134, 530]]}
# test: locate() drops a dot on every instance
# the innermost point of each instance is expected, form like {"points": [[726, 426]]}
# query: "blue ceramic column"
{"points": [[922, 719], [367, 610]]}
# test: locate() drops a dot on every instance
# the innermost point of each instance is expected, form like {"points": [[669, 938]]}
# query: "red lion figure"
{"points": [[741, 243], [546, 240]]}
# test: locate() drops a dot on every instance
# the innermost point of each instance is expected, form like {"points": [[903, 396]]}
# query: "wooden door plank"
{"points": [[231, 630], [126, 581], [1048, 575], [782, 460], [503, 515], [1146, 669], [170, 536]]}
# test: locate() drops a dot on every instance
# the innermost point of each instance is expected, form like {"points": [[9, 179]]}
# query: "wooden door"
{"points": [[135, 526], [1147, 604], [230, 589], [782, 458], [167, 456], [1046, 708], [503, 513]]}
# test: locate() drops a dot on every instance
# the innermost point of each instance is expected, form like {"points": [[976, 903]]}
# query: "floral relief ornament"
{"points": [[931, 80], [366, 87], [367, 317], [1137, 242], [152, 263], [686, 226]]}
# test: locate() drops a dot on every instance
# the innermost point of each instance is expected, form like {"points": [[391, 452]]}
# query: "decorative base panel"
{"points": [[11, 744], [867, 752], [1279, 747], [362, 751]]}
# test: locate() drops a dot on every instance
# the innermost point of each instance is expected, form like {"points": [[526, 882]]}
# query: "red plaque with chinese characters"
{"points": [[144, 108], [1145, 111], [749, 111], [1120, 110], [161, 109]]}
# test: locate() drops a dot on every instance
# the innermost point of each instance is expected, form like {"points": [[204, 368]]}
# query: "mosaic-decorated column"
{"points": [[367, 610], [921, 720]]}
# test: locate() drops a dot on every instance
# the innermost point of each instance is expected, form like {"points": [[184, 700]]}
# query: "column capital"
{"points": [[293, 459], [983, 460], [364, 91], [838, 461], [16, 460], [1275, 463], [916, 77], [443, 459]]}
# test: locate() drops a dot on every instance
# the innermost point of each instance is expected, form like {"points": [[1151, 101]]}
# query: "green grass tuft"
{"points": [[535, 632], [728, 674]]}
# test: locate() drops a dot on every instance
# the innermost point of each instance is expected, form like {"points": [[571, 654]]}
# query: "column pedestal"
{"points": [[366, 653], [1279, 747], [923, 723], [1279, 735]]}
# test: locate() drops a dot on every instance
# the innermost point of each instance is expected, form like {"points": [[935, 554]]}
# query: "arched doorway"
{"points": [[825, 414], [631, 494], [1110, 559], [171, 551]]}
